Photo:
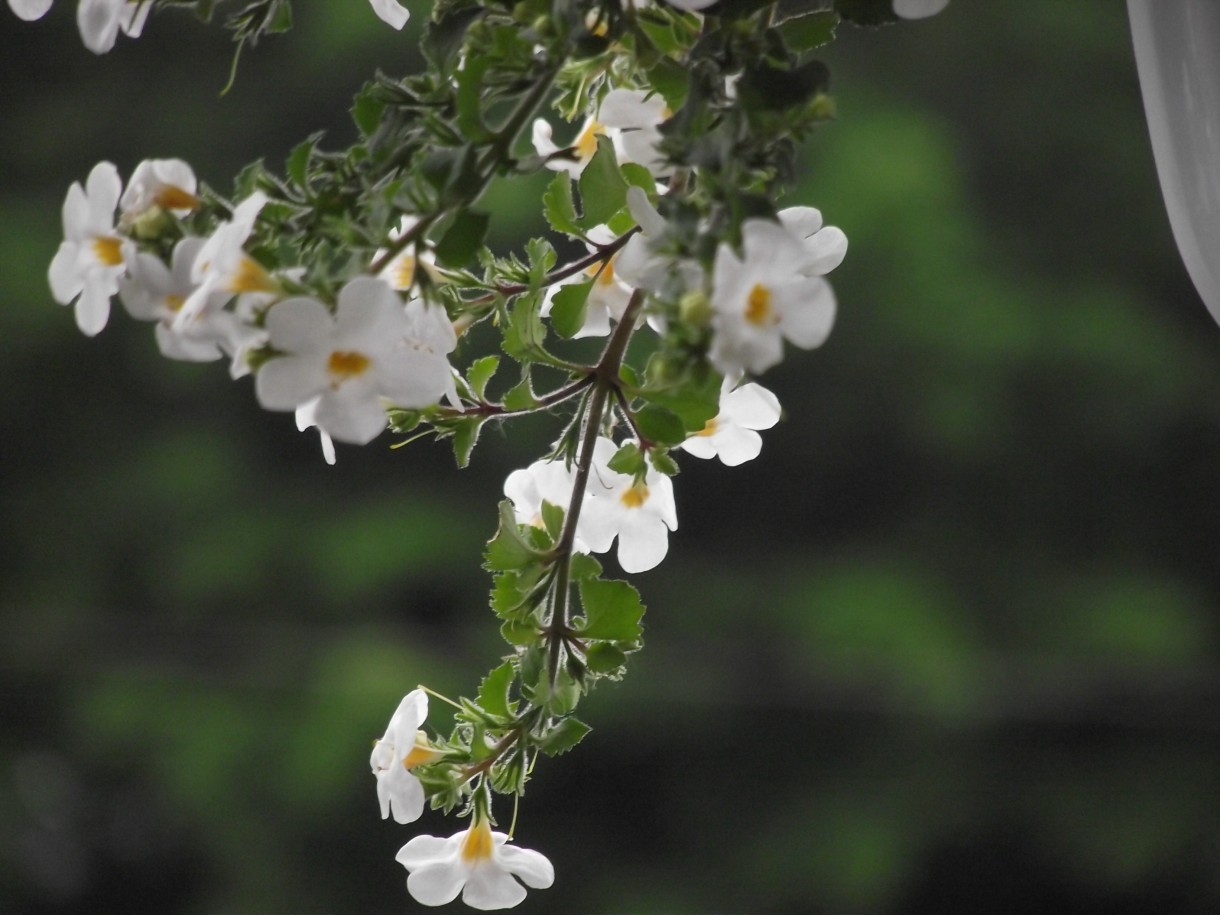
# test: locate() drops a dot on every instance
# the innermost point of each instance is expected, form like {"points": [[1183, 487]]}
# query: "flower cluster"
{"points": [[358, 291]]}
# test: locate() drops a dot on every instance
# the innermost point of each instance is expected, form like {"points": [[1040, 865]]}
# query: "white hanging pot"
{"points": [[1177, 51]]}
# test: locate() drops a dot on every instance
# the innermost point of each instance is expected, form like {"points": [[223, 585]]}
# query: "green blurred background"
{"points": [[950, 645]]}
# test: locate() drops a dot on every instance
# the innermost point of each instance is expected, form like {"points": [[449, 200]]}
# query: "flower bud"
{"points": [[695, 309]]}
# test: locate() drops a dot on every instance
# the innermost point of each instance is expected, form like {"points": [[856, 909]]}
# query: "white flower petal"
{"points": [[391, 12], [643, 542], [531, 866], [807, 312], [918, 9], [287, 382], [489, 888], [29, 10], [436, 883], [424, 850]]}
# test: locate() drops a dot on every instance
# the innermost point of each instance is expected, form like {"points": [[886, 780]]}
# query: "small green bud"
{"points": [[152, 224], [695, 308]]}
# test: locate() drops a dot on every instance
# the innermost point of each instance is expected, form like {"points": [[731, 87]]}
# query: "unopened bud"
{"points": [[695, 309]]}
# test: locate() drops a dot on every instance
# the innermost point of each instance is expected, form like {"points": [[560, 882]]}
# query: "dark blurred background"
{"points": [[950, 645]]}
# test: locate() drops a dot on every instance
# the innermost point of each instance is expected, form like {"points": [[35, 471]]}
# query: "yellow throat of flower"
{"points": [[478, 844], [636, 496], [586, 144], [108, 250], [758, 306], [345, 364]]}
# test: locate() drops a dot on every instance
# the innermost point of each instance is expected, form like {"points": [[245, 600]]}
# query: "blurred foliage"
{"points": [[949, 645]]}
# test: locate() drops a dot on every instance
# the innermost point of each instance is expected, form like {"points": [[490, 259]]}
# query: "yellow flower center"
{"points": [[174, 302], [108, 250], [710, 429], [603, 276], [586, 143], [478, 843], [636, 496], [758, 306], [344, 365], [250, 277], [172, 197]]}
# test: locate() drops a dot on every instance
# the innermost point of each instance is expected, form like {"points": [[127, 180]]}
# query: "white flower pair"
{"points": [[477, 863]]}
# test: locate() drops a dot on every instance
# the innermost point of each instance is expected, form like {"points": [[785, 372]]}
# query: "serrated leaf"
{"points": [[525, 331], [480, 373], [463, 239], [559, 207], [584, 566], [663, 462], [493, 691], [367, 111], [297, 166], [804, 33], [508, 598], [605, 657], [569, 308], [660, 425], [469, 98], [519, 632], [465, 435], [520, 396], [672, 81], [508, 549], [628, 459], [565, 735], [603, 192], [612, 610]]}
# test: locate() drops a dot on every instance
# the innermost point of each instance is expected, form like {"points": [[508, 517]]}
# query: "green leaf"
{"points": [[443, 39], [470, 98], [569, 308], [521, 395], [804, 33], [565, 735], [552, 519], [519, 632], [508, 549], [603, 192], [297, 166], [367, 110], [525, 331], [559, 207], [480, 373], [640, 177], [605, 658], [507, 595], [672, 81], [660, 425], [463, 239], [465, 435], [628, 459], [493, 691], [663, 462], [584, 566], [612, 610]]}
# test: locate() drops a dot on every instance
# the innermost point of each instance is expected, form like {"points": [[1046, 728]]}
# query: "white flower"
{"points": [[632, 117], [391, 12], [918, 9], [691, 5], [368, 350], [222, 264], [29, 10], [165, 183], [100, 21], [643, 264], [477, 863], [583, 147], [403, 267], [307, 417], [608, 295], [731, 435], [151, 291], [640, 513], [766, 298], [92, 256], [403, 747], [543, 481]]}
